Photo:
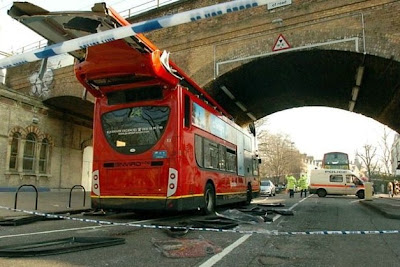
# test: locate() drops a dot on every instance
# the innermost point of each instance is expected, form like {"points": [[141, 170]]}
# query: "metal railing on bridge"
{"points": [[135, 10]]}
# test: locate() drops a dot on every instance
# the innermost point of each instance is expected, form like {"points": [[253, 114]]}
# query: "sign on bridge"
{"points": [[281, 43], [278, 3]]}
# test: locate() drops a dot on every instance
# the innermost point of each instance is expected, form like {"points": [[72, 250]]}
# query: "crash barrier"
{"points": [[24, 185], [188, 227], [70, 194]]}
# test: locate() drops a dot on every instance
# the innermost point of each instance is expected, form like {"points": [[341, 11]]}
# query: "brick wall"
{"points": [[196, 47], [66, 135], [254, 31]]}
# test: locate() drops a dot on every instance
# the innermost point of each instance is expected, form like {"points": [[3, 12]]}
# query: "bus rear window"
{"points": [[135, 95], [135, 130], [116, 80]]}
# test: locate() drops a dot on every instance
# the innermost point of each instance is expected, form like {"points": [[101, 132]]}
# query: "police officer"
{"points": [[390, 189], [303, 185], [291, 185]]}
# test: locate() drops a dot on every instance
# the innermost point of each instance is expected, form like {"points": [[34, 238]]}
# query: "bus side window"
{"points": [[210, 154], [222, 157], [231, 160], [188, 114], [198, 143], [349, 178]]}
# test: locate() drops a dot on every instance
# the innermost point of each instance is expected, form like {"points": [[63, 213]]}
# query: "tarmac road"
{"points": [[267, 244]]}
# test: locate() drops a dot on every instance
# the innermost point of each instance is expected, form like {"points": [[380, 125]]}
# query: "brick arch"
{"points": [[33, 129], [30, 129], [307, 78], [17, 129], [48, 137]]}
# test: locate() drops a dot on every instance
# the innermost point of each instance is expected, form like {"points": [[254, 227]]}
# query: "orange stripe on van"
{"points": [[334, 185]]}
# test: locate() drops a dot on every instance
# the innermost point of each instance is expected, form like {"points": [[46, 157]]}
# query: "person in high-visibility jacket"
{"points": [[390, 189], [303, 184], [291, 184]]}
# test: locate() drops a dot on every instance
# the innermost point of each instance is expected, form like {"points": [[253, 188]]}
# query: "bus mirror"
{"points": [[259, 161]]}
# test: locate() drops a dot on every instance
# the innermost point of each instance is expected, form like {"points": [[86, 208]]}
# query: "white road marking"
{"points": [[216, 258], [67, 230], [276, 217], [53, 231]]}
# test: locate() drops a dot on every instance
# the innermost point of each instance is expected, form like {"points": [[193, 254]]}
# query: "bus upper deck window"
{"points": [[134, 95]]}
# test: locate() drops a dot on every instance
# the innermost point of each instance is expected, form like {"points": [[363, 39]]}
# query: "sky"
{"points": [[317, 130], [314, 130], [14, 35]]}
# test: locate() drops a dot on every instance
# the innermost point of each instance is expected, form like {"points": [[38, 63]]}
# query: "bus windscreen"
{"points": [[135, 130], [336, 160]]}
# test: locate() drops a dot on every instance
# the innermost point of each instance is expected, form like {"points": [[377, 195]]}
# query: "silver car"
{"points": [[267, 188]]}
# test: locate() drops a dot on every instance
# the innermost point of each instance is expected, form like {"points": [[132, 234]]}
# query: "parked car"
{"points": [[280, 188], [267, 188]]}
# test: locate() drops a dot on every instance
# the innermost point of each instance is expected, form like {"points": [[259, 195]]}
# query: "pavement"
{"points": [[385, 205], [57, 201], [62, 200]]}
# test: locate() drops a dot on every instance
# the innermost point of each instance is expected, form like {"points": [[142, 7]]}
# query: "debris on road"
{"points": [[186, 248], [58, 246]]}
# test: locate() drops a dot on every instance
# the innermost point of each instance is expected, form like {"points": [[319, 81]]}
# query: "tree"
{"points": [[367, 157], [278, 155], [385, 158]]}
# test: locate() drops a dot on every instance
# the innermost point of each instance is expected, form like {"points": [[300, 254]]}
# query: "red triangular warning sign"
{"points": [[281, 43]]}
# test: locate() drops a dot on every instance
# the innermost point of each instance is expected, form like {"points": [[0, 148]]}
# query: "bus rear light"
{"points": [[172, 181], [96, 183]]}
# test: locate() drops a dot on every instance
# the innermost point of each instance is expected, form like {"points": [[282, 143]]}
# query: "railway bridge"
{"points": [[294, 53]]}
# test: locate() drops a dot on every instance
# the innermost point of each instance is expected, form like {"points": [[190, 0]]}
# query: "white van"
{"points": [[335, 182]]}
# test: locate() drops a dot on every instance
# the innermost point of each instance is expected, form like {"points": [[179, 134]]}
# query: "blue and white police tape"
{"points": [[130, 30], [188, 227]]}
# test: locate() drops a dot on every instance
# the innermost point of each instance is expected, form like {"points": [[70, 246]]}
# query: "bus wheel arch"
{"points": [[321, 192], [209, 198]]}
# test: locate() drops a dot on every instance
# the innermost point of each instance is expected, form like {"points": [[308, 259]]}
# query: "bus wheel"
{"points": [[249, 194], [321, 192], [361, 194], [209, 199]]}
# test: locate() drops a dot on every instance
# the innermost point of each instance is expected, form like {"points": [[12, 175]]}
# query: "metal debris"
{"points": [[58, 246]]}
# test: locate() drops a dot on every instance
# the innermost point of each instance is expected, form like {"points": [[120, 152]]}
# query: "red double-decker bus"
{"points": [[160, 142]]}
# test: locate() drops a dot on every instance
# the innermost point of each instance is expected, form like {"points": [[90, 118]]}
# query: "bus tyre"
{"points": [[209, 199], [361, 194], [321, 192]]}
